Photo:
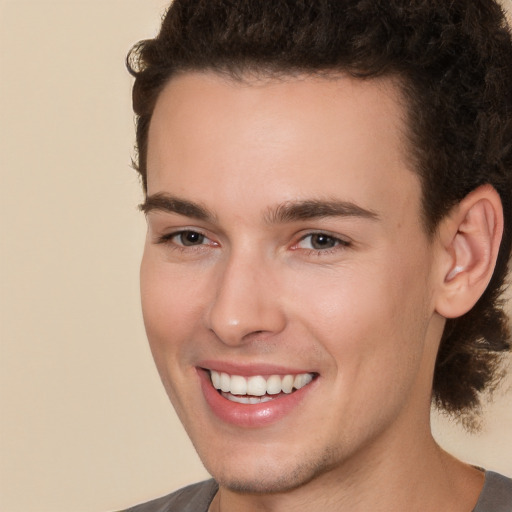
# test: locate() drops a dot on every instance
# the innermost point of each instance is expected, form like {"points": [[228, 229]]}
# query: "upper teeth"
{"points": [[258, 385]]}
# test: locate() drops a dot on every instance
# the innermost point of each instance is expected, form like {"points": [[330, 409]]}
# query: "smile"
{"points": [[257, 389]]}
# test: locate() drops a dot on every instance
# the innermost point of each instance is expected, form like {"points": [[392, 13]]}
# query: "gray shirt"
{"points": [[496, 496]]}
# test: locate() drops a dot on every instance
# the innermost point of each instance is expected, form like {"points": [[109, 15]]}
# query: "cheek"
{"points": [[171, 315], [372, 327], [370, 318], [170, 305]]}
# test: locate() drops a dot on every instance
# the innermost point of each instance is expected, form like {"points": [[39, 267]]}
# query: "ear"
{"points": [[470, 237]]}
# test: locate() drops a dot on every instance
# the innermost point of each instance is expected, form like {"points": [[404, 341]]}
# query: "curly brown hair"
{"points": [[453, 61]]}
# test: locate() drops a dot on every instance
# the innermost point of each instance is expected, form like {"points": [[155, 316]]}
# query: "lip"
{"points": [[249, 370], [254, 415]]}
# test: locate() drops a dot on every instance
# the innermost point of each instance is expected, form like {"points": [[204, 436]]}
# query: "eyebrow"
{"points": [[290, 211], [315, 209], [170, 204]]}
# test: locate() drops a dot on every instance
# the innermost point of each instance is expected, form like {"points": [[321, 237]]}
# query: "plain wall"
{"points": [[84, 422]]}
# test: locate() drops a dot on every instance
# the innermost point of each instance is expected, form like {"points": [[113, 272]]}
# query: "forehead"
{"points": [[285, 139]]}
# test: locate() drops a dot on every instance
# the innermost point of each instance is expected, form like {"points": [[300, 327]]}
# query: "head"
{"points": [[452, 65], [327, 187]]}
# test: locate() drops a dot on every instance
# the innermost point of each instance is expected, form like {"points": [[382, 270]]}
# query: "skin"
{"points": [[257, 290]]}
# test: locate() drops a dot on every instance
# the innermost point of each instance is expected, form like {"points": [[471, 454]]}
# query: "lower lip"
{"points": [[250, 415]]}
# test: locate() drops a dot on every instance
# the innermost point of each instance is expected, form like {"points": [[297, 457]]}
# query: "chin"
{"points": [[270, 476]]}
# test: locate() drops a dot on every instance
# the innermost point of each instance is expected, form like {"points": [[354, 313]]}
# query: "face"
{"points": [[287, 282]]}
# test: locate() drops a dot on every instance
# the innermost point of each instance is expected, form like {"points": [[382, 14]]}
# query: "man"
{"points": [[327, 190]]}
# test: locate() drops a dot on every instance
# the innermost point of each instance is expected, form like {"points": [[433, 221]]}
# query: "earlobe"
{"points": [[471, 236]]}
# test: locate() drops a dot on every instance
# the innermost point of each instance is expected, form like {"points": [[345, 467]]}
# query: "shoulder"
{"points": [[193, 498], [496, 496]]}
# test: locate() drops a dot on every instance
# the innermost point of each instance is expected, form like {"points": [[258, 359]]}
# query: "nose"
{"points": [[246, 302]]}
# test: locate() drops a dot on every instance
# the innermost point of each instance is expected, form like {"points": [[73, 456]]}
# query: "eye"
{"points": [[188, 238], [185, 238], [320, 242]]}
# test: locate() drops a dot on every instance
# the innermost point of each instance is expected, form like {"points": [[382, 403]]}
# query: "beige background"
{"points": [[84, 423]]}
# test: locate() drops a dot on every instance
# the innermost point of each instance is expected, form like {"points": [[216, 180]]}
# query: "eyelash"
{"points": [[339, 243]]}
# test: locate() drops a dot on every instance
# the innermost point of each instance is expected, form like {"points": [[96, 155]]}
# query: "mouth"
{"points": [[258, 389], [254, 396]]}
